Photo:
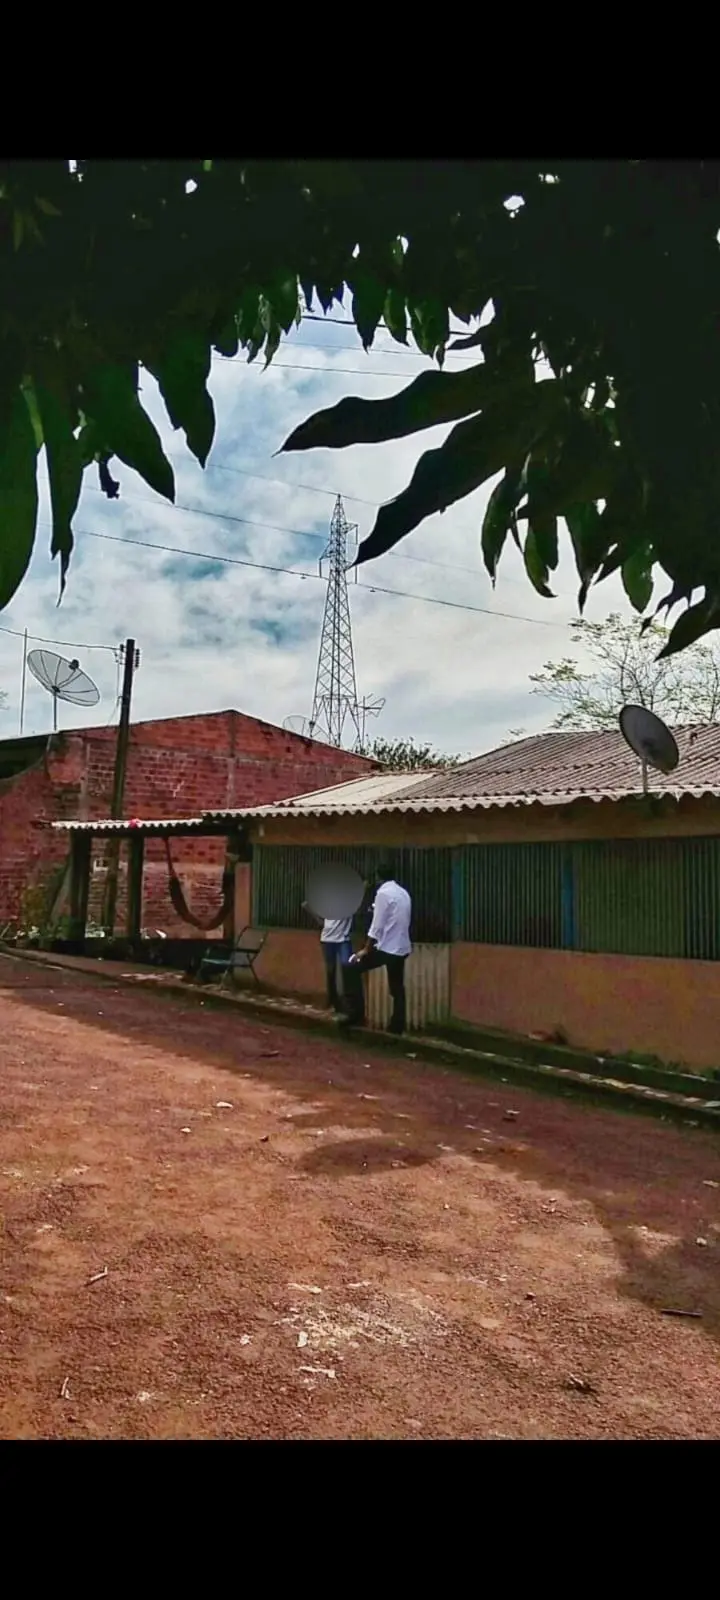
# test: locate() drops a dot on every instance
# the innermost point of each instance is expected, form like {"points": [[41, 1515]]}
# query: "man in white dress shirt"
{"points": [[388, 945]]}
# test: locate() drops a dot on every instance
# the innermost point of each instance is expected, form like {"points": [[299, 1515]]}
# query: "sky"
{"points": [[450, 656]]}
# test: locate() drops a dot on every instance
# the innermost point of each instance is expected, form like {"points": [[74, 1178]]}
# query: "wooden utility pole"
{"points": [[131, 659]]}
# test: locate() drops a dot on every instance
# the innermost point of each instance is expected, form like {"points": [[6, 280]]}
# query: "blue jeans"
{"points": [[332, 954]]}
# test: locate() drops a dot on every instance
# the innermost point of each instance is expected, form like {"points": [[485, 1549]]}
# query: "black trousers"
{"points": [[355, 993]]}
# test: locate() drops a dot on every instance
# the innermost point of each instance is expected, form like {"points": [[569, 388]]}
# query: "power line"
{"points": [[349, 322], [298, 533], [66, 644], [287, 484], [372, 588], [374, 350], [292, 366], [219, 516]]}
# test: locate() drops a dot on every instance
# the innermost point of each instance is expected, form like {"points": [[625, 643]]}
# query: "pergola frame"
{"points": [[81, 843]]}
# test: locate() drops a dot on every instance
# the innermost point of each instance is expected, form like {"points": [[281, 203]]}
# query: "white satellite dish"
{"points": [[650, 739], [297, 724], [63, 679], [335, 891]]}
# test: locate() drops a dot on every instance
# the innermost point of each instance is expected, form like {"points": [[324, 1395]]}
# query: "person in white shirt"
{"points": [[388, 945], [336, 949]]}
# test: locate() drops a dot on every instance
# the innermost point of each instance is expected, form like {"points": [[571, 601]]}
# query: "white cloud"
{"points": [[214, 636]]}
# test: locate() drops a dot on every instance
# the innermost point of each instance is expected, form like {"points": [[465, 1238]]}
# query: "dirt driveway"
{"points": [[213, 1228]]}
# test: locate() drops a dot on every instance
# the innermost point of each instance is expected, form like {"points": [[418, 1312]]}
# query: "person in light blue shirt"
{"points": [[336, 948]]}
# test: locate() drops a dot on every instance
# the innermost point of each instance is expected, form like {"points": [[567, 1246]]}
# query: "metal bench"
{"points": [[230, 959]]}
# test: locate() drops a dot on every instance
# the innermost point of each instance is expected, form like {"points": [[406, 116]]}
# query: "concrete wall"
{"points": [[179, 766], [650, 1004]]}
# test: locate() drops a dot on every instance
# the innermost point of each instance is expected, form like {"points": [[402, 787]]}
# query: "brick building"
{"points": [[177, 766]]}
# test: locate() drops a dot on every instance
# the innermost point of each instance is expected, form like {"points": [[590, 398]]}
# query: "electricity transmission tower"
{"points": [[336, 710]]}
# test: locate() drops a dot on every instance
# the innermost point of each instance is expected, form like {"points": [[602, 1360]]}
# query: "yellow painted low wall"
{"points": [[291, 962], [650, 1004]]}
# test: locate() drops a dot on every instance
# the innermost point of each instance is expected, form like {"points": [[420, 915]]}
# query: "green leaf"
{"points": [[472, 453], [182, 374], [432, 398], [225, 339], [47, 207], [249, 325], [18, 497], [637, 577], [691, 626], [395, 315], [282, 298], [473, 339], [430, 325], [65, 472], [543, 527], [589, 538], [535, 566], [89, 443], [368, 300], [498, 518], [31, 402], [126, 429], [271, 344]]}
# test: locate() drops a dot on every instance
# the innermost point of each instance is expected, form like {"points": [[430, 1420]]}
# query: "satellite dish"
{"points": [[335, 891], [63, 680], [648, 736], [297, 725]]}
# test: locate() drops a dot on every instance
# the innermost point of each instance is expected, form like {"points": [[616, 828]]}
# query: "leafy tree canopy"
{"points": [[596, 392], [406, 755], [626, 668]]}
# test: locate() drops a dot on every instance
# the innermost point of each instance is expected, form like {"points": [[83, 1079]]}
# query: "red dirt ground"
{"points": [[351, 1247]]}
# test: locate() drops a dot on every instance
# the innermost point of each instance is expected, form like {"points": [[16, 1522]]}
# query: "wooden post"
{"points": [[232, 850], [130, 656], [79, 883], [136, 857]]}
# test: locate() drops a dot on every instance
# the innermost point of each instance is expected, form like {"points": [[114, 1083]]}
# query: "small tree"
{"points": [[681, 689], [405, 755]]}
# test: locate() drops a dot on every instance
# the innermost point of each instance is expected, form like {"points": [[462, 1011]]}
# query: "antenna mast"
{"points": [[336, 698]]}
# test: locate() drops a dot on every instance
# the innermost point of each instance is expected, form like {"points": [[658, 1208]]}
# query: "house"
{"points": [[550, 894], [176, 766]]}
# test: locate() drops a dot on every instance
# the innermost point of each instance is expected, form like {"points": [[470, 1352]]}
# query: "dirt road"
{"points": [[212, 1228]]}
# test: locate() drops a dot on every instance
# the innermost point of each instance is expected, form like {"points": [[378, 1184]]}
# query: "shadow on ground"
{"points": [[634, 1172]]}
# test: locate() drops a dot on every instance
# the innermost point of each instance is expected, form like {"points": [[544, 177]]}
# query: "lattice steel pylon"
{"points": [[335, 701]]}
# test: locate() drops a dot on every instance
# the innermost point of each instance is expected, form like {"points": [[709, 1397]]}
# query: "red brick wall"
{"points": [[177, 767]]}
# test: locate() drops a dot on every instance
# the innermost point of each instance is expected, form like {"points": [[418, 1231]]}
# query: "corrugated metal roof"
{"points": [[576, 763], [359, 791], [558, 769], [142, 825], [551, 769], [464, 803]]}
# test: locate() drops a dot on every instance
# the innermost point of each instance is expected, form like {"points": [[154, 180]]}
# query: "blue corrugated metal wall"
{"points": [[510, 893], [629, 896], [656, 897]]}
